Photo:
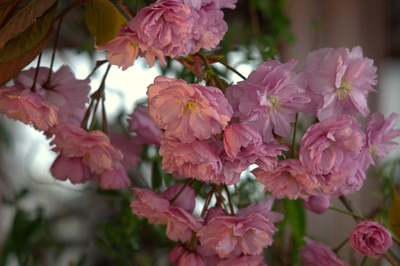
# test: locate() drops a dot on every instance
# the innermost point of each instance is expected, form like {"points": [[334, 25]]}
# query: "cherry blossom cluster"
{"points": [[169, 28], [210, 134]]}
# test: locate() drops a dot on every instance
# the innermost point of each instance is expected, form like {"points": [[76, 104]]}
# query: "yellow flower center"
{"points": [[190, 106], [274, 100], [344, 91]]}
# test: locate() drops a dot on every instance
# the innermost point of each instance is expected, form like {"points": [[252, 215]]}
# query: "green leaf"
{"points": [[23, 18], [103, 20], [394, 213], [11, 69], [28, 39]]}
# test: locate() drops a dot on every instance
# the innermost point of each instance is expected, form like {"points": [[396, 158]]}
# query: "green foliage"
{"points": [[127, 239], [103, 20]]}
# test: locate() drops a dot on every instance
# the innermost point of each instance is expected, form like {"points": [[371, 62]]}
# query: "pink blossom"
{"points": [[244, 260], [318, 254], [116, 178], [130, 146], [125, 49], [339, 81], [379, 137], [74, 169], [188, 111], [180, 256], [249, 231], [289, 179], [28, 107], [231, 235], [318, 203], [197, 159], [332, 148], [158, 210], [186, 199], [143, 125], [332, 145], [69, 94], [93, 147], [167, 25], [269, 99], [370, 239], [121, 51]]}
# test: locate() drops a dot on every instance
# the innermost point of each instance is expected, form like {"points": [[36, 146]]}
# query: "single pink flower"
{"points": [[73, 169], [197, 159], [130, 146], [167, 25], [339, 81], [188, 111], [370, 239], [143, 125], [28, 107], [121, 51], [379, 137], [125, 49], [318, 203], [230, 235], [269, 99], [289, 179], [244, 260], [116, 178], [69, 94], [158, 210], [180, 256], [318, 254], [332, 146], [93, 147]]}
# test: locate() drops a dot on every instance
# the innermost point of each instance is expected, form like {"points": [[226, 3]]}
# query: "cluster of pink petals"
{"points": [[125, 49], [197, 159], [187, 111], [180, 256], [66, 92], [379, 138], [332, 148], [143, 125], [244, 146], [289, 179], [28, 107], [158, 210], [86, 155], [246, 233], [244, 260], [339, 81], [269, 98], [318, 254], [317, 203], [370, 239], [178, 28]]}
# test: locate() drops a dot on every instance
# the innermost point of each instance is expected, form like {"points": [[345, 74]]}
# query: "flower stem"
{"points": [[232, 69], [337, 249], [229, 200], [180, 191], [356, 216]]}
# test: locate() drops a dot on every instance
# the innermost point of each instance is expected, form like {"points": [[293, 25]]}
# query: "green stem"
{"points": [[294, 135], [207, 201], [337, 249], [53, 55], [229, 200], [238, 195], [348, 213], [232, 69]]}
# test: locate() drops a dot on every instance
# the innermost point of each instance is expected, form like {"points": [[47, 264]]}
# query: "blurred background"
{"points": [[43, 221]]}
